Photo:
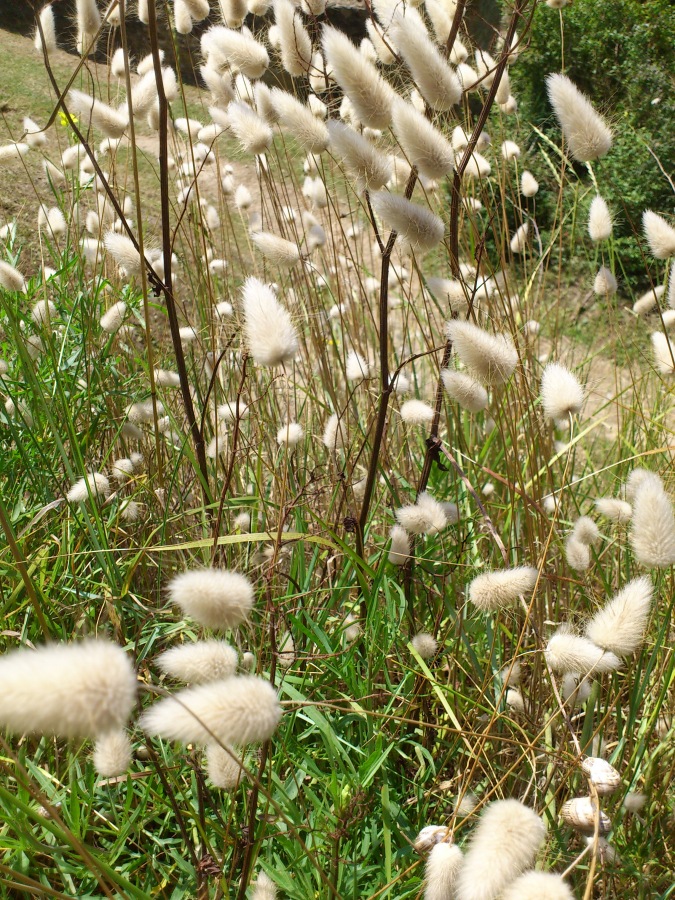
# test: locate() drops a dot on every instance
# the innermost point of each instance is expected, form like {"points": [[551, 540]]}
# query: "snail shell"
{"points": [[431, 835], [580, 814], [600, 773]]}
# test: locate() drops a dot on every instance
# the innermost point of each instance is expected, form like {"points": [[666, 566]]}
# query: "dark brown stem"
{"points": [[454, 28], [433, 443], [166, 285], [456, 195], [386, 387]]}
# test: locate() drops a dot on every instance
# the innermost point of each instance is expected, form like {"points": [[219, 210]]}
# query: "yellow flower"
{"points": [[65, 120]]}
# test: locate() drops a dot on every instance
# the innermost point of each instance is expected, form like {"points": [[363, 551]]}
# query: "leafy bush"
{"points": [[621, 55]]}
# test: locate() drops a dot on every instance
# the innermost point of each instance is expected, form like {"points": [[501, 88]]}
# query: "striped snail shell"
{"points": [[580, 814], [600, 773], [431, 835]]}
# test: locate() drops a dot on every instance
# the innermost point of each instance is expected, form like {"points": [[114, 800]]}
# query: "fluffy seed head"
{"points": [[356, 367], [123, 251], [586, 531], [504, 844], [88, 16], [309, 131], [113, 319], [233, 711], [510, 150], [370, 95], [477, 166], [334, 434], [416, 224], [436, 81], [294, 40], [94, 484], [35, 136], [528, 184], [223, 768], [264, 888], [615, 509], [519, 239], [664, 353], [426, 516], [216, 598], [122, 470], [561, 394], [620, 625], [48, 38], [13, 151], [652, 531], [383, 44], [236, 50], [416, 412], [290, 435], [464, 390], [53, 220], [537, 886], [199, 662], [422, 143], [634, 480], [605, 284], [490, 357], [493, 591], [286, 650], [453, 292], [370, 168], [112, 754], [567, 653], [599, 220], [424, 644], [254, 135], [577, 554], [10, 278], [440, 872], [660, 235], [277, 250], [111, 122], [588, 135], [649, 300], [43, 312], [399, 550], [270, 335], [76, 690]]}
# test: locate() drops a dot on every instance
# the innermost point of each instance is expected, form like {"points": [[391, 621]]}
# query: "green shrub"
{"points": [[620, 55]]}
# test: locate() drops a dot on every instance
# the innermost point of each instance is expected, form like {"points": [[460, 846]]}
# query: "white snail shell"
{"points": [[431, 835], [580, 814], [600, 773]]}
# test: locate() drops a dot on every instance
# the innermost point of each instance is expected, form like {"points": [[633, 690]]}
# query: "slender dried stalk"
{"points": [[386, 384], [166, 286]]}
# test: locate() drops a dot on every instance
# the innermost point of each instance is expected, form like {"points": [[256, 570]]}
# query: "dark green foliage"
{"points": [[621, 55]]}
